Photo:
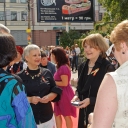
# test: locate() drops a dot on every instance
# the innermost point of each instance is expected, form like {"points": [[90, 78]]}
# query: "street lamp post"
{"points": [[29, 24], [28, 14], [5, 12]]}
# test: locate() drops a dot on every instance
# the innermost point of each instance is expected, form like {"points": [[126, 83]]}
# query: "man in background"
{"points": [[77, 49], [45, 63]]}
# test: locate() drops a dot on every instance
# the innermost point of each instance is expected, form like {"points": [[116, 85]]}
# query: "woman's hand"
{"points": [[34, 99], [84, 103], [45, 99], [48, 97], [75, 98]]}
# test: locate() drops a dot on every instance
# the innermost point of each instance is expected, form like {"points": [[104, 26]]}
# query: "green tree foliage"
{"points": [[93, 32], [116, 10], [74, 35], [65, 39], [68, 38]]}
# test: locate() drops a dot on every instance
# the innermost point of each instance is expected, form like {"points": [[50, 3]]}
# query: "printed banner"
{"points": [[65, 10]]}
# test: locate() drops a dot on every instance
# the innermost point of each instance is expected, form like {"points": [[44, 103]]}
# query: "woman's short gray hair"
{"points": [[28, 48]]}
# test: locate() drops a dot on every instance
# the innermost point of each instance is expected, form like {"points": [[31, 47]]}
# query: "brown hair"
{"points": [[60, 56], [120, 33], [96, 41]]}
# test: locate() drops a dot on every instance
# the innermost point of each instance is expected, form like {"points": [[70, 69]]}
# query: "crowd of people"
{"points": [[34, 78], [72, 53]]}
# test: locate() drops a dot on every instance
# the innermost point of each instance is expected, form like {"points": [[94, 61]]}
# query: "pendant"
{"points": [[37, 75]]}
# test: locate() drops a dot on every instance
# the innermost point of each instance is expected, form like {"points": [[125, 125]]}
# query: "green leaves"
{"points": [[68, 38], [116, 10]]}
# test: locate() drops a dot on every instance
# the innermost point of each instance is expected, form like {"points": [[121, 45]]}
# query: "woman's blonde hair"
{"points": [[120, 33], [98, 42]]}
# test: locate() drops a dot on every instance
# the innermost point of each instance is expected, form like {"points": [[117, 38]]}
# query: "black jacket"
{"points": [[88, 85], [43, 112]]}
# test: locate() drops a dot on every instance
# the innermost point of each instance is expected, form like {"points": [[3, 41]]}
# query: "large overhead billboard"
{"points": [[65, 10]]}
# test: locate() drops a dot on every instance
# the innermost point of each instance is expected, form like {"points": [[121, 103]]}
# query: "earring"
{"points": [[123, 52]]}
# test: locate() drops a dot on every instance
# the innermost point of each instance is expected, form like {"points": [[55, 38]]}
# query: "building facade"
{"points": [[14, 14]]}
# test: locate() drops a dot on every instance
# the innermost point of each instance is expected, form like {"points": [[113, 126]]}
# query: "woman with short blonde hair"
{"points": [[96, 41], [90, 75]]}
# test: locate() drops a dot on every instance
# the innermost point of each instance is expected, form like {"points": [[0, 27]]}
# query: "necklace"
{"points": [[90, 66], [37, 75]]}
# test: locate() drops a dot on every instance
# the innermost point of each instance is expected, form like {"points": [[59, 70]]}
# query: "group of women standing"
{"points": [[42, 87], [33, 86]]}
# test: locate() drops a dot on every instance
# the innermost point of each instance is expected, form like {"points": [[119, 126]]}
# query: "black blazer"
{"points": [[88, 85], [92, 82], [43, 112]]}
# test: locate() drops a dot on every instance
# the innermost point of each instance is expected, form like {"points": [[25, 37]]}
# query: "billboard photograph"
{"points": [[65, 10]]}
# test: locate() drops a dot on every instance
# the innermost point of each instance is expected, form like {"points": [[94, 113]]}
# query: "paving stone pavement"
{"points": [[74, 76]]}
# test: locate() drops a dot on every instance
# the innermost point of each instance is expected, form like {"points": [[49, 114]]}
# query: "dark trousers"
{"points": [[77, 57], [70, 59], [74, 63]]}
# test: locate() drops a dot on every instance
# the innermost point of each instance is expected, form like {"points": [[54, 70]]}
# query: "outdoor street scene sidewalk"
{"points": [[74, 77]]}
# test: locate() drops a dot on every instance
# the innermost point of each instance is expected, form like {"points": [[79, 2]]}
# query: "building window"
{"points": [[23, 16], [1, 15], [13, 16], [100, 16], [23, 1], [1, 1], [12, 1]]}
